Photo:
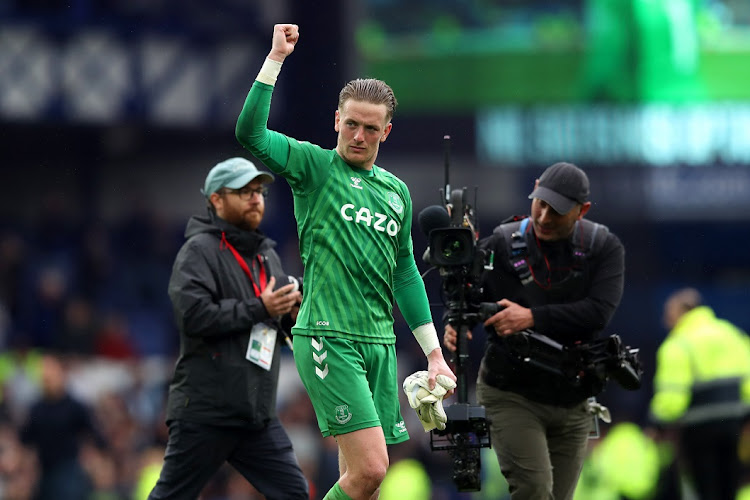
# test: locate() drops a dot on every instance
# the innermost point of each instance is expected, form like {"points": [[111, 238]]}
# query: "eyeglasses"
{"points": [[247, 193]]}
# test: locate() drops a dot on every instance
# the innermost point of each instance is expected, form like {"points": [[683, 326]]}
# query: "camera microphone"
{"points": [[433, 217]]}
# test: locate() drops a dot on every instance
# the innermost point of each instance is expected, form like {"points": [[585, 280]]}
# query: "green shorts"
{"points": [[352, 385]]}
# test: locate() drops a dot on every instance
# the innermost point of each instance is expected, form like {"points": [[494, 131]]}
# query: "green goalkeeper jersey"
{"points": [[354, 227]]}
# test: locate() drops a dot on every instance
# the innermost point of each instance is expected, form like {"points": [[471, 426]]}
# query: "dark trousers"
{"points": [[540, 448], [65, 480], [196, 451], [709, 452]]}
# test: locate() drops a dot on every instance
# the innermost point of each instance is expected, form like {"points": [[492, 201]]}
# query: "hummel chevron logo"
{"points": [[319, 358]]}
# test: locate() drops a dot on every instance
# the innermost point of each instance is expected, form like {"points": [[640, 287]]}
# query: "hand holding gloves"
{"points": [[428, 403]]}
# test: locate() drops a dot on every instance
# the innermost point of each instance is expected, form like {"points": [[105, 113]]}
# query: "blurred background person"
{"points": [[57, 427], [19, 467], [627, 463], [702, 391]]}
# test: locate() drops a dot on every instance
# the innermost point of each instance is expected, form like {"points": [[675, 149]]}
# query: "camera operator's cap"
{"points": [[233, 173], [562, 185]]}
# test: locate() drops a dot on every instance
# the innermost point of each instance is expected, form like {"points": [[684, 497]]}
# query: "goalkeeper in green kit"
{"points": [[354, 225]]}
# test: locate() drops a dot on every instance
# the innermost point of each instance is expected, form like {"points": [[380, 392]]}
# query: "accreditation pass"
{"points": [[261, 345]]}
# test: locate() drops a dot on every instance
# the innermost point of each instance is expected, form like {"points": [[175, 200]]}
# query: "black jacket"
{"points": [[572, 301], [215, 308]]}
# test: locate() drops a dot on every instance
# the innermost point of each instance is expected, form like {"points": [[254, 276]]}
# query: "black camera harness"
{"points": [[585, 236], [591, 363]]}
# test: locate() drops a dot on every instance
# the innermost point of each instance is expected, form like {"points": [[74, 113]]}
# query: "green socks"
{"points": [[336, 493]]}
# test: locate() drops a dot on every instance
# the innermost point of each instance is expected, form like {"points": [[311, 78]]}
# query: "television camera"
{"points": [[453, 233], [588, 366]]}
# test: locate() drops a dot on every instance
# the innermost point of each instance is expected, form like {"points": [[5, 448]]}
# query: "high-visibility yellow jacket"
{"points": [[626, 463], [702, 370]]}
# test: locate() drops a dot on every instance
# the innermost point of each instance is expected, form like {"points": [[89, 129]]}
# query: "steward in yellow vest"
{"points": [[702, 391]]}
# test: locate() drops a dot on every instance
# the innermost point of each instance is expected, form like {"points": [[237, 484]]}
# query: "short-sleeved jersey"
{"points": [[352, 225]]}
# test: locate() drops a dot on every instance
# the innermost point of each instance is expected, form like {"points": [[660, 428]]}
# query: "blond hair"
{"points": [[369, 90]]}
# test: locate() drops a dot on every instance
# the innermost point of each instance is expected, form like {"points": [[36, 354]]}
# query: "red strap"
{"points": [[261, 274]]}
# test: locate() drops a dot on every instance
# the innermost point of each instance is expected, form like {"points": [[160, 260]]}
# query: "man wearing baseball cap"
{"points": [[229, 311], [563, 185], [561, 276]]}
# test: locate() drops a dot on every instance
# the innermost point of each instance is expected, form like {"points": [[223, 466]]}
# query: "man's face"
{"points": [[362, 127], [673, 310], [553, 226], [244, 213], [53, 377]]}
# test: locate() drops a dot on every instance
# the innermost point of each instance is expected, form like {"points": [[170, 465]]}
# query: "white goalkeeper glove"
{"points": [[428, 403], [417, 389]]}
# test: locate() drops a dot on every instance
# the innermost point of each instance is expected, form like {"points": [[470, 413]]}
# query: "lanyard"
{"points": [[244, 266]]}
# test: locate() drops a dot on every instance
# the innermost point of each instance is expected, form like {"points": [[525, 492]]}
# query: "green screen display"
{"points": [[464, 55]]}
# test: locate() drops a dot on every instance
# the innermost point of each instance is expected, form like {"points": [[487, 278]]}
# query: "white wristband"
{"points": [[269, 72], [427, 338]]}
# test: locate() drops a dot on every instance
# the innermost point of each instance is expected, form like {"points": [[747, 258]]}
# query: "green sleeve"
{"points": [[408, 287], [411, 296], [272, 148]]}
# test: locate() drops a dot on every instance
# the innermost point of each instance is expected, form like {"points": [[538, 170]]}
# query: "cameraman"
{"points": [[562, 277]]}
